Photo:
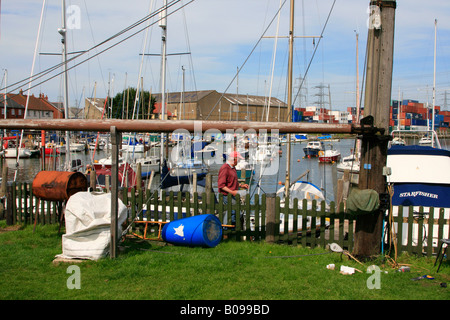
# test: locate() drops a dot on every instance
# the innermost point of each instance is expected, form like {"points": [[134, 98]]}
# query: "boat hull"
{"points": [[419, 179], [329, 159], [310, 152]]}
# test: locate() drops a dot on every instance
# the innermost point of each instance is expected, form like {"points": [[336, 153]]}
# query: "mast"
{"points": [[62, 31], [358, 106], [163, 25], [434, 84], [5, 103], [289, 100], [358, 111]]}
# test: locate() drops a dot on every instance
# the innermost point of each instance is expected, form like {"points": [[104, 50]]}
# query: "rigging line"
{"points": [[189, 49], [273, 64], [49, 70], [93, 40], [97, 54], [139, 84], [248, 57], [28, 93], [314, 53]]}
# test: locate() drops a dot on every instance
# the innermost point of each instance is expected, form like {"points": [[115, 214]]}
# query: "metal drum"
{"points": [[58, 185]]}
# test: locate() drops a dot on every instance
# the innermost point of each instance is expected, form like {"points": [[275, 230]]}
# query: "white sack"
{"points": [[88, 225]]}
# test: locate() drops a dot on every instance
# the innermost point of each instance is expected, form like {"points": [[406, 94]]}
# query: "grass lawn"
{"points": [[230, 271]]}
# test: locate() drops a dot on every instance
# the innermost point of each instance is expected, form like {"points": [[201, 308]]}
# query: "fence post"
{"points": [[270, 217], [10, 204], [115, 141]]}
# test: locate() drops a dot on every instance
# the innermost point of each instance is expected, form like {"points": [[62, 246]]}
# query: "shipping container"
{"points": [[405, 102]]}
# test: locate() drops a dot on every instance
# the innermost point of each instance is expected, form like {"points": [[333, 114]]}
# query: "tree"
{"points": [[123, 106]]}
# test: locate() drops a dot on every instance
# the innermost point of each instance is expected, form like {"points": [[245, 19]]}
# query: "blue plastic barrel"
{"points": [[203, 230]]}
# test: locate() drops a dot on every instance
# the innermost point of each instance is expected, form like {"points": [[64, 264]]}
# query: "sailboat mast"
{"points": [[162, 24], [289, 99], [434, 83], [62, 31], [358, 111]]}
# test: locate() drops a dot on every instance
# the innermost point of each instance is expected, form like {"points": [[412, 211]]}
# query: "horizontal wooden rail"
{"points": [[172, 125]]}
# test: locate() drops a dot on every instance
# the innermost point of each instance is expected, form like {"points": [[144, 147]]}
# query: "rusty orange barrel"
{"points": [[58, 185]]}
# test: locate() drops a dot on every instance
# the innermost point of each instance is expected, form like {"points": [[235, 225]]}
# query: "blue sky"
{"points": [[220, 35]]}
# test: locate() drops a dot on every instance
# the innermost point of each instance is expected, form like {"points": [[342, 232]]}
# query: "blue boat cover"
{"points": [[418, 194], [414, 149]]}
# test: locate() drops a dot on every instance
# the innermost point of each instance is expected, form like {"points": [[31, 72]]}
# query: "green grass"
{"points": [[230, 271]]}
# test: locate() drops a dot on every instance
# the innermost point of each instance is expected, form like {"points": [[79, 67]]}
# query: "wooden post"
{"points": [[149, 185], [93, 180], [208, 185], [138, 176], [3, 192], [10, 205], [343, 189], [270, 218], [194, 182], [380, 48], [115, 141]]}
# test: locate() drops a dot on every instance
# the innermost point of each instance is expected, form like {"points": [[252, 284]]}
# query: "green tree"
{"points": [[123, 105]]}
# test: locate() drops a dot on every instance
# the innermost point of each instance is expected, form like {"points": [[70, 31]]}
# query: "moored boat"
{"points": [[329, 156], [418, 178], [312, 149]]}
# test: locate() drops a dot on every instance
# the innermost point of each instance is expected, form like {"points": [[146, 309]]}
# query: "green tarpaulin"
{"points": [[363, 201]]}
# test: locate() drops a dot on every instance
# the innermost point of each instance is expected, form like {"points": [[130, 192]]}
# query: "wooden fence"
{"points": [[313, 226]]}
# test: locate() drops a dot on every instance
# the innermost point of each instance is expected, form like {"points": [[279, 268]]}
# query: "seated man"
{"points": [[228, 182]]}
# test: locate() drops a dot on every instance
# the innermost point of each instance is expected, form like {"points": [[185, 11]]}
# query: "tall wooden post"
{"points": [[115, 145], [380, 48]]}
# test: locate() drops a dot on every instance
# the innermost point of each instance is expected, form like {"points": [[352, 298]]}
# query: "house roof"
{"points": [[242, 99], [40, 103]]}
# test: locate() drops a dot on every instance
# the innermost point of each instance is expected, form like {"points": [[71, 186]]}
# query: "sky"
{"points": [[208, 41]]}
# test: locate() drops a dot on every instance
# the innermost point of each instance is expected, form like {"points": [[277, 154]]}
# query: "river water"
{"points": [[323, 175]]}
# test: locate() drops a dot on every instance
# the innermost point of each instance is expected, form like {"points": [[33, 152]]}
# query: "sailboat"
{"points": [[11, 150], [300, 189], [179, 170]]}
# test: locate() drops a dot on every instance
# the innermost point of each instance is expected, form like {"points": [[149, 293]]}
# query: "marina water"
{"points": [[325, 176]]}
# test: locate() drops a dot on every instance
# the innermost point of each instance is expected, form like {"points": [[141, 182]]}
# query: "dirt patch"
{"points": [[10, 228]]}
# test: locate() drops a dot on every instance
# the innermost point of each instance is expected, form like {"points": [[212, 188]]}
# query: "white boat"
{"points": [[12, 153], [138, 147], [419, 177], [148, 164], [105, 163], [77, 147], [188, 167], [398, 141], [350, 163], [329, 156], [425, 141], [301, 190], [265, 153]]}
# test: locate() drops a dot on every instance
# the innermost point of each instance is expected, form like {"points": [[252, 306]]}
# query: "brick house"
{"points": [[38, 107]]}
